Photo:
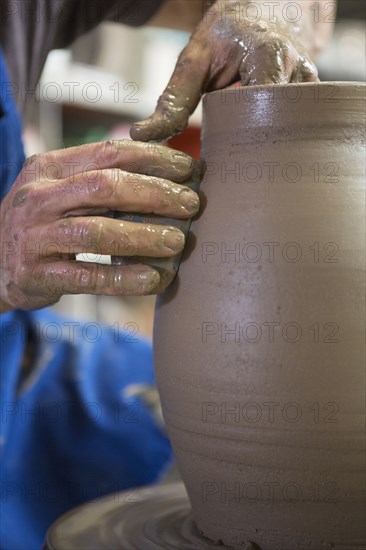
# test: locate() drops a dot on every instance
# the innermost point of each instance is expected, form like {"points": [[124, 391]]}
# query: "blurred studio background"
{"points": [[112, 77]]}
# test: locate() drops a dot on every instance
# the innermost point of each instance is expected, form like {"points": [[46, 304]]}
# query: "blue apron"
{"points": [[73, 427]]}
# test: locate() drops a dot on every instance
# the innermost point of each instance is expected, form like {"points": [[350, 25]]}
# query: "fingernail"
{"points": [[189, 200], [182, 161], [173, 239], [137, 129], [149, 280]]}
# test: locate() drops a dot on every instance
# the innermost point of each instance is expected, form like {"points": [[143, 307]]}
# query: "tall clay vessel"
{"points": [[259, 343]]}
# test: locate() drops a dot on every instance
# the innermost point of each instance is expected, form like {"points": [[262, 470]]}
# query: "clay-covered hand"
{"points": [[229, 45], [57, 208]]}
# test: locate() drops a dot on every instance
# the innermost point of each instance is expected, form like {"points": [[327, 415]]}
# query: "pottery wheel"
{"points": [[153, 518]]}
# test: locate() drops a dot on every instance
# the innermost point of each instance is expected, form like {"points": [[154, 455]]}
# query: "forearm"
{"points": [[311, 21]]}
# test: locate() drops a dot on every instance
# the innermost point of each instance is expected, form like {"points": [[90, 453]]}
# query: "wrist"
{"points": [[296, 19], [4, 306], [311, 24]]}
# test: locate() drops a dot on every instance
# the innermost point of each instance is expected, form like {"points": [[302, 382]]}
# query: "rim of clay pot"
{"points": [[278, 89], [296, 107]]}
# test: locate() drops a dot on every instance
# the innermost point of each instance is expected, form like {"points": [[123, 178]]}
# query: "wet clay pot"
{"points": [[259, 343]]}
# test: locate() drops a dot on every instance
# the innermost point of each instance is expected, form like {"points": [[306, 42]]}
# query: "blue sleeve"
{"points": [[71, 428]]}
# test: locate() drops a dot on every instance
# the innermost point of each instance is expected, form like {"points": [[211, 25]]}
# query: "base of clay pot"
{"points": [[153, 518]]}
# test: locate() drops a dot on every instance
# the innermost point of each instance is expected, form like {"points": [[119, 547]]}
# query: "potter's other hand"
{"points": [[237, 40], [57, 208]]}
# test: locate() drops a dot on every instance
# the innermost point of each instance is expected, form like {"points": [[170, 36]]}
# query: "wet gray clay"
{"points": [[259, 343]]}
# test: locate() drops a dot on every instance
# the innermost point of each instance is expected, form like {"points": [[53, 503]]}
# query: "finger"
{"points": [[305, 71], [73, 277], [114, 189], [98, 235], [268, 63], [141, 158], [180, 97]]}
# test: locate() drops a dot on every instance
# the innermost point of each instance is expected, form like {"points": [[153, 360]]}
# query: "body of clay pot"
{"points": [[259, 343]]}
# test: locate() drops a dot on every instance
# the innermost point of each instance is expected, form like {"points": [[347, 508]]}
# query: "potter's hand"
{"points": [[229, 45], [55, 210]]}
